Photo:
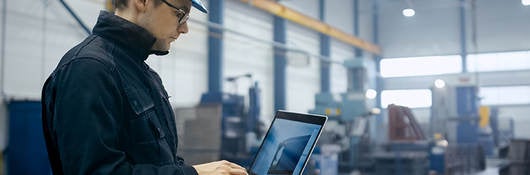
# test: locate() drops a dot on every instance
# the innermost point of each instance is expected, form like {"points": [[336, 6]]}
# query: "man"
{"points": [[105, 111]]}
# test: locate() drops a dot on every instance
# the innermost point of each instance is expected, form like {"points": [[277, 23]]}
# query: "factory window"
{"points": [[418, 66], [413, 98], [503, 61], [506, 95]]}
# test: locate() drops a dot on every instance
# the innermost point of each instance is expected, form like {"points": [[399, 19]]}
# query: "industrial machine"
{"points": [[502, 130], [455, 113], [457, 117], [348, 114], [239, 122], [407, 149], [518, 158], [402, 125]]}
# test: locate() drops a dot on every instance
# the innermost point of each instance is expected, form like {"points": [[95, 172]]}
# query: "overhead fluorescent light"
{"points": [[525, 2], [410, 12]]}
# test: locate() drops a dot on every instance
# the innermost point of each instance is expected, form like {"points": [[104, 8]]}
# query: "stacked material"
{"points": [[402, 158], [519, 157], [401, 163], [199, 131], [464, 159]]}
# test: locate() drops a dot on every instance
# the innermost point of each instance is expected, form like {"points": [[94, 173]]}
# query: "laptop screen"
{"points": [[288, 144]]}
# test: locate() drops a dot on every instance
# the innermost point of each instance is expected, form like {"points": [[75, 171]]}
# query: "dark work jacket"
{"points": [[106, 112]]}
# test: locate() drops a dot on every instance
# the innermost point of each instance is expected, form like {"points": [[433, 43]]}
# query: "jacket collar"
{"points": [[134, 39]]}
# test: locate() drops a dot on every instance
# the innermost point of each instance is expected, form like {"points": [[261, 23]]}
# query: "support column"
{"points": [[379, 122], [358, 51], [325, 49], [280, 64], [377, 58], [463, 35], [215, 53]]}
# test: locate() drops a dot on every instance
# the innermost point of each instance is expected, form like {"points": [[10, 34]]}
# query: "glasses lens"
{"points": [[183, 19]]}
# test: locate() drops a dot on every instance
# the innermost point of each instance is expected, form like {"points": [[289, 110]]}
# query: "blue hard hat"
{"points": [[198, 5]]}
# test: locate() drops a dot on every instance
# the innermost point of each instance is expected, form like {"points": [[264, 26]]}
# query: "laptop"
{"points": [[288, 144]]}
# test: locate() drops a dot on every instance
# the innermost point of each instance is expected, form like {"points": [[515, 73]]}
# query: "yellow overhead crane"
{"points": [[311, 23]]}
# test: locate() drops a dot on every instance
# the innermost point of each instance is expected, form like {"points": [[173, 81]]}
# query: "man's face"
{"points": [[163, 21]]}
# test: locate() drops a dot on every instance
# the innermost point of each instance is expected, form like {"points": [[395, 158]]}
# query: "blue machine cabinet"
{"points": [[26, 152], [467, 110]]}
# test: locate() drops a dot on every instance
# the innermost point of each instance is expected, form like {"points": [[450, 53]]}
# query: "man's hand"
{"points": [[222, 167]]}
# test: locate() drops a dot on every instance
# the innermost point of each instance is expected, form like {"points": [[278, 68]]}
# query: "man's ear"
{"points": [[141, 5]]}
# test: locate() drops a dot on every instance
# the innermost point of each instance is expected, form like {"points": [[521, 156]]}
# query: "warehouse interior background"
{"points": [[479, 43]]}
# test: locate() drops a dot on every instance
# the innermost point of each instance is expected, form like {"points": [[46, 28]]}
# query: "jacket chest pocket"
{"points": [[149, 144]]}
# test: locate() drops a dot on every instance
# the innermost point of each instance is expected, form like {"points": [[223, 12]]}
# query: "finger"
{"points": [[223, 171], [224, 168], [237, 166], [238, 172], [233, 165], [223, 163]]}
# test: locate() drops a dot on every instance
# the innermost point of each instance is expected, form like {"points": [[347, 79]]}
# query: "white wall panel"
{"points": [[303, 82], [23, 54], [338, 74], [243, 55]]}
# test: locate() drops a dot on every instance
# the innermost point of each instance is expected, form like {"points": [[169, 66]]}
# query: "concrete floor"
{"points": [[492, 167], [489, 171]]}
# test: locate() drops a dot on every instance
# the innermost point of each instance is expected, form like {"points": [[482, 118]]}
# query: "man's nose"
{"points": [[183, 28]]}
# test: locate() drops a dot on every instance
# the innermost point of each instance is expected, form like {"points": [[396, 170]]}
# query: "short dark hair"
{"points": [[120, 4]]}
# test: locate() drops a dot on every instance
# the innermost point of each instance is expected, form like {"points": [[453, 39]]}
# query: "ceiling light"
{"points": [[525, 2], [439, 83], [371, 94], [410, 12]]}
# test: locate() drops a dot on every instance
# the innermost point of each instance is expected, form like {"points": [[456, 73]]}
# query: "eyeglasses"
{"points": [[181, 14]]}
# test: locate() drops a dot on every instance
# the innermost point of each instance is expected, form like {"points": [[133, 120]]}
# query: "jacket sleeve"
{"points": [[87, 123]]}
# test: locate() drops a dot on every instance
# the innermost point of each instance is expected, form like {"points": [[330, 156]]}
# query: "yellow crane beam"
{"points": [[311, 23]]}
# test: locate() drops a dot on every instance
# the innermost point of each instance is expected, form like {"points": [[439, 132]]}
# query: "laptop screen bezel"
{"points": [[299, 117]]}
